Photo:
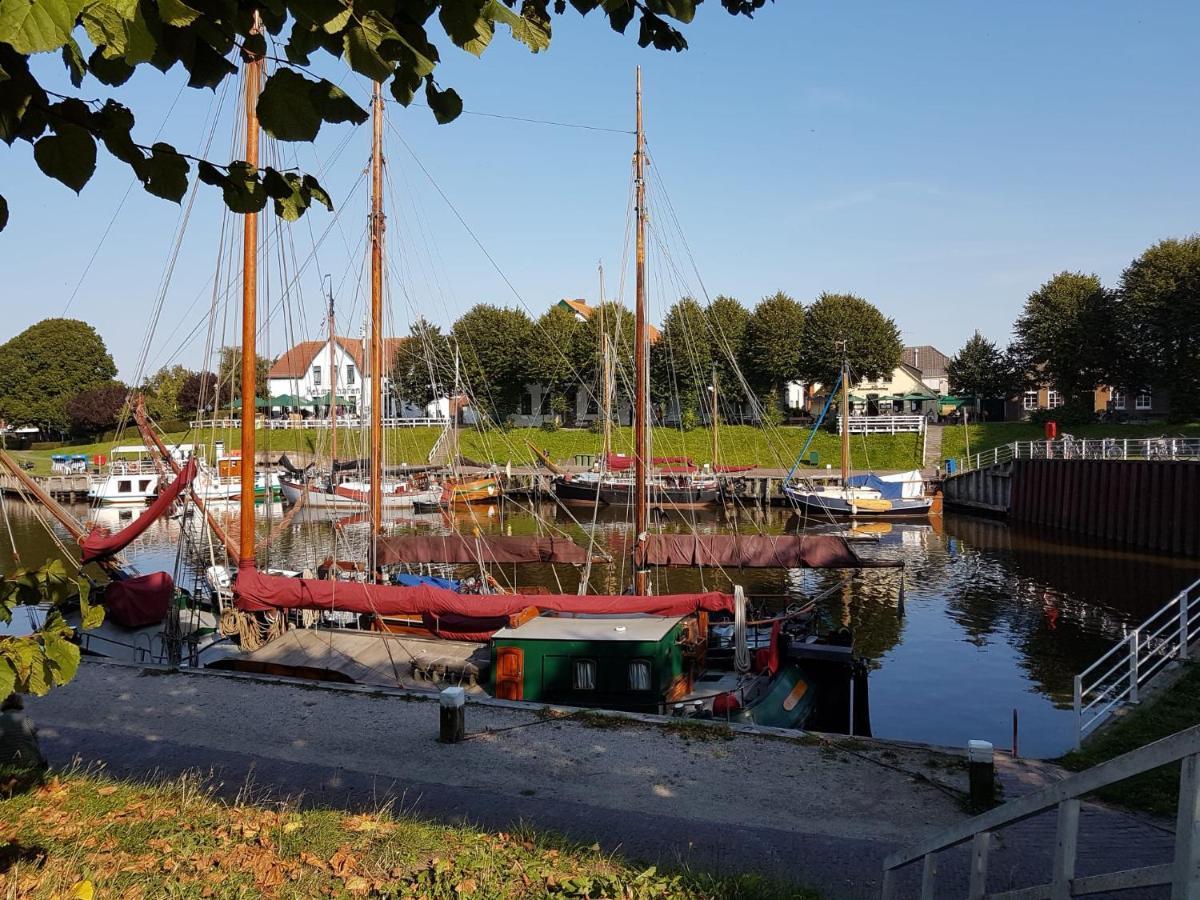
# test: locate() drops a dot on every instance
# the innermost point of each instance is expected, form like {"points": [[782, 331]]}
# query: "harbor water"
{"points": [[995, 618]]}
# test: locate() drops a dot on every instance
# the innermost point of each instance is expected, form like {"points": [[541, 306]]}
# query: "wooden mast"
{"points": [[716, 420], [640, 449], [254, 73], [333, 370], [845, 370], [377, 224], [605, 380]]}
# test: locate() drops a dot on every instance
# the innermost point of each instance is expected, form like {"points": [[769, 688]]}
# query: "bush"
{"points": [[771, 415], [688, 420], [1074, 412], [549, 423]]}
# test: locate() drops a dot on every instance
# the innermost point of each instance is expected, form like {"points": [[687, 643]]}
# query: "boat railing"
{"points": [[319, 424], [1182, 873], [1068, 447], [884, 424], [1117, 678]]}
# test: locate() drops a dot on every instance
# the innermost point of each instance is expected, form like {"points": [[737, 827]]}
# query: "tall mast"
{"points": [[715, 419], [333, 374], [845, 370], [376, 322], [254, 73], [605, 379], [639, 349]]}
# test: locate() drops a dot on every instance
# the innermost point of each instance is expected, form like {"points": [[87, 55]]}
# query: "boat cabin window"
{"points": [[639, 675], [143, 485], [583, 675], [124, 487]]}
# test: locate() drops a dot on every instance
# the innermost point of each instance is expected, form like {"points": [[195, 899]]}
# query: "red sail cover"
{"points": [[141, 601], [255, 592], [763, 551], [101, 543], [462, 548]]}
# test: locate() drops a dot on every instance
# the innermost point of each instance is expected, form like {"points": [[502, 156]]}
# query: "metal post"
{"points": [[1184, 625], [928, 876], [1078, 705], [1065, 844], [1134, 641], [1185, 881], [452, 706], [979, 863], [850, 730]]}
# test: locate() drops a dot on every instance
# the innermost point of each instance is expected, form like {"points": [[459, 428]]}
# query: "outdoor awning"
{"points": [[259, 403], [291, 400], [953, 401], [323, 399], [914, 395]]}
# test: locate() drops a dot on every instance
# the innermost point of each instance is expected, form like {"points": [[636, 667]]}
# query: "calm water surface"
{"points": [[996, 617]]}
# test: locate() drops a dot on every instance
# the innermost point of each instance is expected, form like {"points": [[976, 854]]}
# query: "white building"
{"points": [[307, 371]]}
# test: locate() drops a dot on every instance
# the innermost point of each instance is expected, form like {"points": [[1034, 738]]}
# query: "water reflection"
{"points": [[995, 618]]}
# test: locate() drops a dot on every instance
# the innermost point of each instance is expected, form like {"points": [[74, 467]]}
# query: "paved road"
{"points": [[796, 810]]}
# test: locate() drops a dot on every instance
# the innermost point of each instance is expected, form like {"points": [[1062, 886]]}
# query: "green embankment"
{"points": [[740, 445], [1176, 708], [83, 835], [987, 435]]}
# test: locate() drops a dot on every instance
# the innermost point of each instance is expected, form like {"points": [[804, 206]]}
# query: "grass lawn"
{"points": [[1173, 710], [82, 836], [985, 436], [739, 445]]}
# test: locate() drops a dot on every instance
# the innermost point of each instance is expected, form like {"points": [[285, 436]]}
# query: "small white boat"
{"points": [[355, 495], [131, 476]]}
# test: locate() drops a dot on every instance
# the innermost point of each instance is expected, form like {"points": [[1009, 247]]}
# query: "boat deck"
{"points": [[368, 657]]}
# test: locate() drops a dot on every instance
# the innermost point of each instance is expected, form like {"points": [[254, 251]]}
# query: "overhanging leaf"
{"points": [[68, 155], [176, 13], [3, 220], [73, 59], [317, 192], [37, 26], [446, 105], [164, 173], [210, 174], [90, 615], [242, 190], [113, 72], [361, 44], [680, 10], [285, 107], [466, 24], [531, 32]]}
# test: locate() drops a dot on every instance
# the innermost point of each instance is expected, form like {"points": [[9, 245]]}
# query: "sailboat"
{"points": [[857, 496]]}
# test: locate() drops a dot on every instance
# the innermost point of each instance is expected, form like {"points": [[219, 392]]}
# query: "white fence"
{"points": [[1068, 447], [1118, 676], [1182, 873], [317, 424], [884, 424]]}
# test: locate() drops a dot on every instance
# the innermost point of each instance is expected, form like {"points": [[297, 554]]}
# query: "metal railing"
{"points": [[436, 452], [1118, 676], [1182, 873], [317, 424], [884, 424], [1068, 447]]}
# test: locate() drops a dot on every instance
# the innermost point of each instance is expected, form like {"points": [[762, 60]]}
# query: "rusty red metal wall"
{"points": [[1155, 505]]}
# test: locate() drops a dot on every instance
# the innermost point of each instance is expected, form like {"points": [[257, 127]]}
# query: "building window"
{"points": [[1118, 399], [1031, 400], [349, 375], [583, 675], [1143, 400], [527, 404], [639, 675], [316, 372], [1053, 399]]}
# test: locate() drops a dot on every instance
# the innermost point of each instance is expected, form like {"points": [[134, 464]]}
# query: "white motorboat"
{"points": [[355, 495]]}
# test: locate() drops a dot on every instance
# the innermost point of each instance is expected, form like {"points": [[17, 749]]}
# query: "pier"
{"points": [[60, 487]]}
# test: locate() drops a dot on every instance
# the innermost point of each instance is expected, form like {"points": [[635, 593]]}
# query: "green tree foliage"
{"points": [[980, 370], [549, 356], [773, 342], [46, 365], [728, 321], [162, 391], [423, 369], [98, 408], [35, 663], [619, 326], [681, 360], [393, 42], [198, 392], [872, 339], [1159, 323], [1064, 335], [229, 376], [493, 344]]}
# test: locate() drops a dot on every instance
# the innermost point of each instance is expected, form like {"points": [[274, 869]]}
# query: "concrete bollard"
{"points": [[453, 706], [981, 770]]}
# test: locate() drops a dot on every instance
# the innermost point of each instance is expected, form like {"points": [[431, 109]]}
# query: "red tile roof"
{"points": [[295, 362]]}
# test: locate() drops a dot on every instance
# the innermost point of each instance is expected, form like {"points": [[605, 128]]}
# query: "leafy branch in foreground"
{"points": [[47, 658], [384, 40]]}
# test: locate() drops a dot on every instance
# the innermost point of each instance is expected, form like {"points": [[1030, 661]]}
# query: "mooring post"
{"points": [[981, 772], [453, 702]]}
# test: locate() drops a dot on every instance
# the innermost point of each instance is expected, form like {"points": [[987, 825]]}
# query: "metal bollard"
{"points": [[453, 703], [981, 769]]}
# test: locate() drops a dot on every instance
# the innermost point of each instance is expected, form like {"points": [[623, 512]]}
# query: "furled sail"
{"points": [[464, 548], [100, 543], [763, 551]]}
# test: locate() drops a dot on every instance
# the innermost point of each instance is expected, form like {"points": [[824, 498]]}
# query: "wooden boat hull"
{"points": [[817, 503], [615, 493]]}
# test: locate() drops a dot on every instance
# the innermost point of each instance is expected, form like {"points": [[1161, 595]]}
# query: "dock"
{"points": [[60, 487]]}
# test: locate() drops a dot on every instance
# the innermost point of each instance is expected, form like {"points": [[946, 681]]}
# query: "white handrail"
{"points": [[319, 424], [1067, 447], [884, 424]]}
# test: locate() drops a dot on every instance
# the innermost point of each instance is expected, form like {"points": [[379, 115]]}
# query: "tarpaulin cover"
{"points": [[749, 551], [100, 542], [462, 548], [255, 591], [901, 486], [141, 601]]}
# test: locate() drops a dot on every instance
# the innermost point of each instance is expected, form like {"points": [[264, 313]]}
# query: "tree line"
{"points": [[1074, 334]]}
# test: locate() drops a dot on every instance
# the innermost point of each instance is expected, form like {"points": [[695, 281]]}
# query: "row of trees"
{"points": [[756, 352], [1074, 334]]}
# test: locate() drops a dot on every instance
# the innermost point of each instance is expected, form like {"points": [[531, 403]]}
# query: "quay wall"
{"points": [[1149, 504]]}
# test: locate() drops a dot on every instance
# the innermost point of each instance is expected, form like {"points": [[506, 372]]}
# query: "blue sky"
{"points": [[941, 159]]}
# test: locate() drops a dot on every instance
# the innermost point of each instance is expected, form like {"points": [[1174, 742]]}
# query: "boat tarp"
{"points": [[139, 601], [463, 548], [100, 543], [900, 486], [761, 551], [257, 592]]}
